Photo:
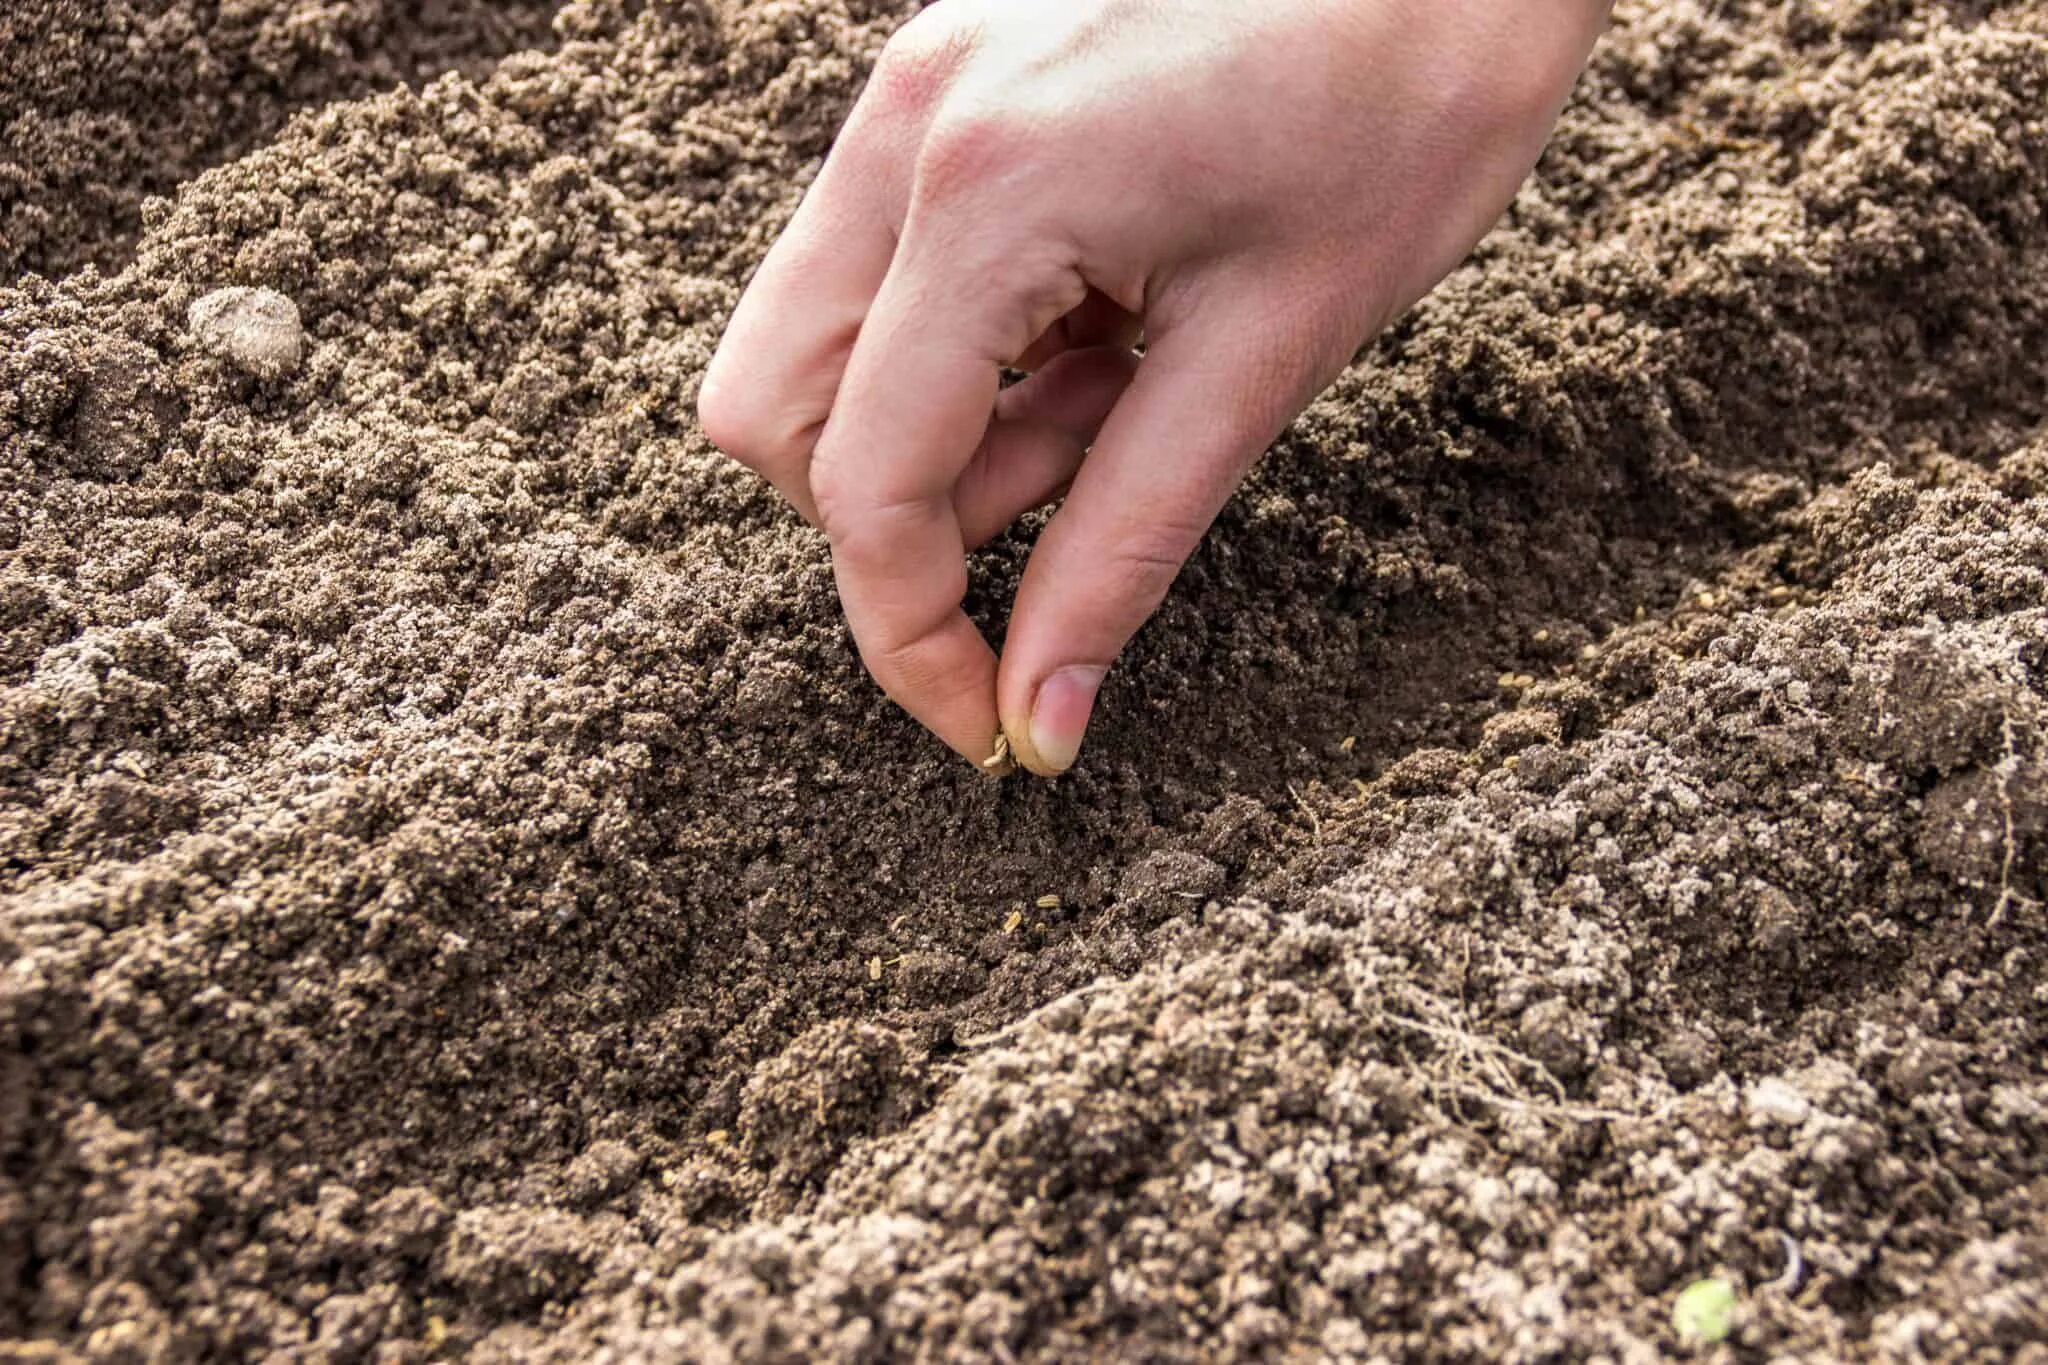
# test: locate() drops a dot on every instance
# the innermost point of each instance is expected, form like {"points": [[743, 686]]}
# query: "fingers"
{"points": [[1075, 392], [858, 374], [1206, 402], [911, 412], [1099, 321], [1043, 428], [770, 386]]}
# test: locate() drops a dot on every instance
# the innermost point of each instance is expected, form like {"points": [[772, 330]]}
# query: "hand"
{"points": [[1257, 188]]}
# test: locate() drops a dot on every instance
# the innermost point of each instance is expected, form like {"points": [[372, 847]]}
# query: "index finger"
{"points": [[916, 399], [770, 385]]}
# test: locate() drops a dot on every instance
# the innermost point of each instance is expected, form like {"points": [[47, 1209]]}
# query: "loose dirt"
{"points": [[105, 103], [1579, 825]]}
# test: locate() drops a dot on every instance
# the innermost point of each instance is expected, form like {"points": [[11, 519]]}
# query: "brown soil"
{"points": [[105, 103], [1579, 824]]}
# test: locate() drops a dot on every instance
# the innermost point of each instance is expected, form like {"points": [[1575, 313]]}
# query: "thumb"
{"points": [[1207, 400]]}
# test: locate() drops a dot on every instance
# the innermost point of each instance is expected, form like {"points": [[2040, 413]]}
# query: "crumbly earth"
{"points": [[1580, 824], [104, 103]]}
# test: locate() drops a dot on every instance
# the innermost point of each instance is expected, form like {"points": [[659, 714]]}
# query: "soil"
{"points": [[105, 103], [1579, 825]]}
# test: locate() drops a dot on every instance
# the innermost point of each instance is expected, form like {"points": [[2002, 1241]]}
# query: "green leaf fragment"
{"points": [[1704, 1312]]}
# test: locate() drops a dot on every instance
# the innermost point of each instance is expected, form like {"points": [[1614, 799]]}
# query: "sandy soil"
{"points": [[1579, 825], [104, 103]]}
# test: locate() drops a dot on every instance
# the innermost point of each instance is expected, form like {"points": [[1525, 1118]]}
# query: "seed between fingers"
{"points": [[999, 762]]}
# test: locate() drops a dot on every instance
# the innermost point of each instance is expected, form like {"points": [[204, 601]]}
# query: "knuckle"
{"points": [[965, 152], [861, 533], [901, 662], [1504, 103], [1522, 105], [1146, 562], [744, 428], [916, 68], [864, 508], [722, 415], [833, 497], [880, 535]]}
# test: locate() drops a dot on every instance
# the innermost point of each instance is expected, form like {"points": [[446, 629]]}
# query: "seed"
{"points": [[1016, 918], [258, 330], [1350, 743], [874, 969], [1048, 902], [999, 761]]}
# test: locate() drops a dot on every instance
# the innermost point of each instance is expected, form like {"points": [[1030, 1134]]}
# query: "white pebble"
{"points": [[257, 330], [1775, 1100]]}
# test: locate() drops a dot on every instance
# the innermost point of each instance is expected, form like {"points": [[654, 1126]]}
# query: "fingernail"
{"points": [[1060, 715]]}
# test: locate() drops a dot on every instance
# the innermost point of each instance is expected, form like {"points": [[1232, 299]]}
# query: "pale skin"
{"points": [[1252, 189]]}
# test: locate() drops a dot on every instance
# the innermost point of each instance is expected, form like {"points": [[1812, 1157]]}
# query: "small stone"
{"points": [[256, 330], [603, 1169], [1774, 1100], [1690, 1059], [1564, 1041]]}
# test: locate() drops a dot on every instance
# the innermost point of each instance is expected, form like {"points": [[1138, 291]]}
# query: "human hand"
{"points": [[1257, 188]]}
